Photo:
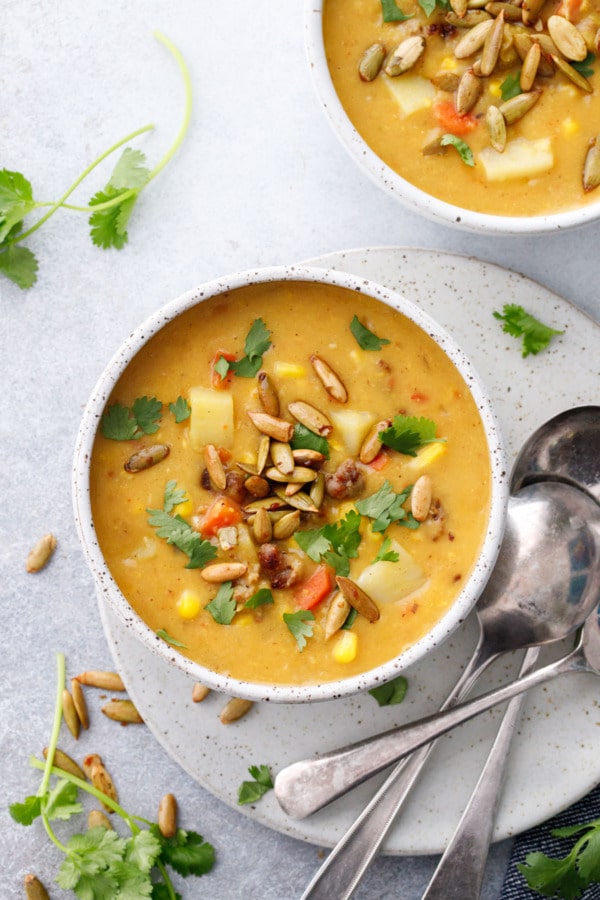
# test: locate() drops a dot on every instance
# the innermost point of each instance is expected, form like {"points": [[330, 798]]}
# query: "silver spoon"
{"points": [[545, 583]]}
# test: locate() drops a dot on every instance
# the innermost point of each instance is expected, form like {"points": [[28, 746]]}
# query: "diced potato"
{"points": [[351, 427], [425, 457], [211, 421], [521, 159], [411, 92], [388, 582]]}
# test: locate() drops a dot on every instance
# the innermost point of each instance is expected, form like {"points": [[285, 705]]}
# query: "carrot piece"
{"points": [[451, 121], [419, 397], [222, 512], [318, 586], [380, 461], [215, 379]]}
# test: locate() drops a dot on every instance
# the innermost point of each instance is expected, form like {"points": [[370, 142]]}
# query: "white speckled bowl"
{"points": [[410, 196], [104, 581]]}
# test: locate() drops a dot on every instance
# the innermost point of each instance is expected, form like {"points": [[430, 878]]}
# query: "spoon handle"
{"points": [[310, 784], [459, 873]]}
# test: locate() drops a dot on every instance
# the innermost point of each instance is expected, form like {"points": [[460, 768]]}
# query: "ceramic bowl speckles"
{"points": [[112, 595], [406, 193]]}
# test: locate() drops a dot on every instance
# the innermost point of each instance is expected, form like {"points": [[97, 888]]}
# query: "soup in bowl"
{"points": [[484, 115], [290, 483]]}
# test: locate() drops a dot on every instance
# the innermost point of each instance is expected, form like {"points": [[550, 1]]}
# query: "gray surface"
{"points": [[260, 180]]}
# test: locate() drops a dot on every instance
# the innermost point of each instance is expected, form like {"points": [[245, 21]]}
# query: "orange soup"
{"points": [[291, 483]]}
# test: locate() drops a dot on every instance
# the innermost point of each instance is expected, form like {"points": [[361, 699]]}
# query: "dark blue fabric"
{"points": [[541, 839]]}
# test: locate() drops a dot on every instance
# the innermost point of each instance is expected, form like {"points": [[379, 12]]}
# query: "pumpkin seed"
{"points": [[474, 39], [569, 41], [572, 74], [530, 67], [278, 429], [63, 761], [468, 93], [420, 498], [89, 761], [330, 380], [214, 467], [122, 711], [304, 456], [234, 709], [515, 108], [311, 417], [267, 394], [282, 457], [146, 458], [34, 889], [217, 573], [459, 7], [317, 489], [358, 598], [199, 692], [371, 62], [79, 703], [70, 714], [512, 13], [268, 503], [446, 81], [336, 615], [103, 782], [291, 488], [262, 527], [257, 486], [108, 681], [298, 475], [40, 555], [523, 44], [591, 167], [496, 126], [372, 445], [286, 526], [167, 816], [97, 819], [264, 447], [492, 45], [405, 56], [471, 18], [531, 10], [299, 501], [434, 146]]}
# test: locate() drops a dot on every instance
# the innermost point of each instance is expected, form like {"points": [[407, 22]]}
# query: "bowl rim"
{"points": [[104, 581], [386, 178]]}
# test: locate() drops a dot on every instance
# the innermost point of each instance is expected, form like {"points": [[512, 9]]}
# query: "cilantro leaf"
{"points": [[462, 148], [251, 791], [132, 883], [407, 433], [61, 802], [181, 409], [584, 66], [428, 6], [89, 853], [118, 424], [16, 201], [385, 554], [221, 367], [262, 597], [26, 812], [549, 876], [258, 341], [222, 606], [313, 542], [19, 265], [365, 339], [143, 850], [187, 852], [108, 227], [299, 623], [336, 542], [173, 496], [519, 323], [349, 621], [305, 439], [164, 634], [147, 412], [391, 12], [392, 692], [175, 530], [130, 171], [511, 87], [386, 506]]}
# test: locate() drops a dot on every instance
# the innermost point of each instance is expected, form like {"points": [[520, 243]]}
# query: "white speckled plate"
{"points": [[557, 742]]}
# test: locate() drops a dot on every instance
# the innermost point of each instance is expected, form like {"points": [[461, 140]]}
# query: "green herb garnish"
{"points": [[392, 692], [336, 543], [407, 433], [428, 6], [462, 148], [299, 623], [305, 439], [164, 634], [109, 209], [519, 323], [511, 86], [392, 12], [120, 423], [181, 409], [222, 606], [175, 530], [385, 554], [98, 863], [261, 598], [349, 621], [584, 66], [251, 791], [567, 877], [258, 341], [386, 506], [366, 339]]}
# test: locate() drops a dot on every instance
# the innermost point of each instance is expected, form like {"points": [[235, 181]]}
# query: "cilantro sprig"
{"points": [[109, 210], [365, 338], [519, 323], [251, 791], [511, 86], [222, 607], [569, 876], [121, 423], [385, 506], [300, 625], [390, 693], [258, 341], [461, 147], [407, 434], [335, 543], [305, 439], [98, 862], [175, 530]]}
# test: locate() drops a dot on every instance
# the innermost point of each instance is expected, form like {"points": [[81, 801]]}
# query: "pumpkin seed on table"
{"points": [[102, 781], [199, 692], [63, 761], [70, 714], [146, 458], [123, 711], [79, 703], [234, 709], [167, 816], [34, 889], [40, 555], [97, 819], [108, 681]]}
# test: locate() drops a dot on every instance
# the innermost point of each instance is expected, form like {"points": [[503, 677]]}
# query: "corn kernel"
{"points": [[288, 370], [346, 647], [188, 605], [355, 356], [449, 64], [495, 88], [185, 509], [569, 126], [429, 454]]}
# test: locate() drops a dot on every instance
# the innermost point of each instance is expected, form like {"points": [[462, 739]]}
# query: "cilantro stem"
{"points": [[187, 82], [58, 710]]}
